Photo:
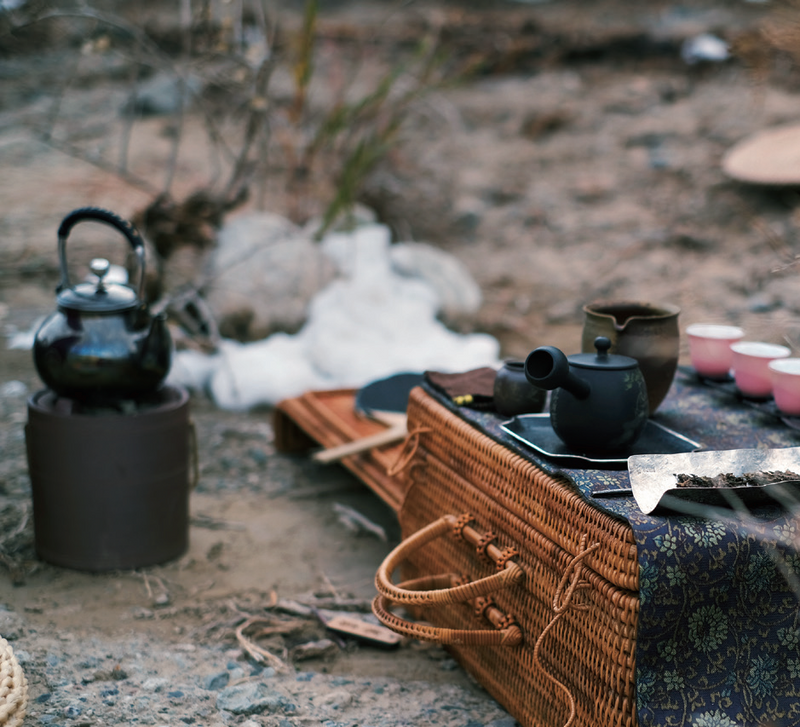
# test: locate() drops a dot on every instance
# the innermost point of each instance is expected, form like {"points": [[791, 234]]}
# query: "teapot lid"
{"points": [[98, 297], [603, 359]]}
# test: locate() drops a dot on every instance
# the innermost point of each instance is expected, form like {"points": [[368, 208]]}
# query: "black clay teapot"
{"points": [[102, 342], [599, 403]]}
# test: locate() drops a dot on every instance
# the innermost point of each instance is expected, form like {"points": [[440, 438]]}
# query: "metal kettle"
{"points": [[102, 342], [599, 403]]}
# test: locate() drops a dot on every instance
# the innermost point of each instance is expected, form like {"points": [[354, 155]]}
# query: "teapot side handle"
{"points": [[110, 218]]}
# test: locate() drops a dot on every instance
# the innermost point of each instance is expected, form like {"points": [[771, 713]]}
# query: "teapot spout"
{"points": [[548, 368]]}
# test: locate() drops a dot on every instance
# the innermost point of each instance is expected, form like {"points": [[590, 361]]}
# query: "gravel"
{"points": [[134, 681]]}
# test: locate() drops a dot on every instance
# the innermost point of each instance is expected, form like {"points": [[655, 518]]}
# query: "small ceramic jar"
{"points": [[514, 394]]}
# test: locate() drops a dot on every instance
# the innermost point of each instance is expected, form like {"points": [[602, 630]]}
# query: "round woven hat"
{"points": [[13, 688], [770, 157]]}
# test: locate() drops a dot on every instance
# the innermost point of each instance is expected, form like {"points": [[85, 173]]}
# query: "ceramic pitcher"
{"points": [[645, 331]]}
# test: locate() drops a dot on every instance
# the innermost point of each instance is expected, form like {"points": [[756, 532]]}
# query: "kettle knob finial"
{"points": [[99, 267]]}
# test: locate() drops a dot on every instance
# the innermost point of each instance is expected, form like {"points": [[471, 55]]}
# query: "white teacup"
{"points": [[710, 348], [751, 370], [786, 384]]}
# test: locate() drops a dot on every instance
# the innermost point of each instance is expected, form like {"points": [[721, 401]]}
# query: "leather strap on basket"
{"points": [[562, 603], [409, 449], [441, 594]]}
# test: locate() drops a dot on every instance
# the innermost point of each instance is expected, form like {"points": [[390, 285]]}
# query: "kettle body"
{"points": [[599, 403], [97, 357], [102, 342]]}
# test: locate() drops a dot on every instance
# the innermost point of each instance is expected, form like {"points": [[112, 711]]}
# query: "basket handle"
{"points": [[441, 589], [506, 632], [510, 574]]}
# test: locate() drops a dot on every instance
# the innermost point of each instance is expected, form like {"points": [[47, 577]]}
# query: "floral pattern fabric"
{"points": [[718, 640]]}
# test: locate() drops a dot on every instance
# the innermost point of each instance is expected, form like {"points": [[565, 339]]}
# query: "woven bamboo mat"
{"points": [[328, 419]]}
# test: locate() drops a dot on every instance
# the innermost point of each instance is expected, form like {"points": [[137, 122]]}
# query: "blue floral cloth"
{"points": [[718, 641]]}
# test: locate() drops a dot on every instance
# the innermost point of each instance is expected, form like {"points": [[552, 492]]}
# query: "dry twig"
{"points": [[272, 627]]}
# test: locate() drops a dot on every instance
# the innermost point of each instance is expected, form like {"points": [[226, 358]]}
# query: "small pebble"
{"points": [[217, 681]]}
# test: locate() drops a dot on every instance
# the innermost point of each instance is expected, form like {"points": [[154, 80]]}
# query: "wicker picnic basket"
{"points": [[532, 589]]}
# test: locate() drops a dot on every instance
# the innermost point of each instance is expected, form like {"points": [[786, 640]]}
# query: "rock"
{"points": [[688, 239], [337, 699], [218, 681], [251, 698], [13, 389], [469, 211], [321, 649], [12, 625], [704, 48], [763, 303], [154, 684], [458, 294], [503, 722], [263, 274]]}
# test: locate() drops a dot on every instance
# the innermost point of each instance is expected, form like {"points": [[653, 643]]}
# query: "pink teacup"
{"points": [[751, 366], [710, 348], [786, 384]]}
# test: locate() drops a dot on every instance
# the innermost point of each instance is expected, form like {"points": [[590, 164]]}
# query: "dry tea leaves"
{"points": [[747, 479]]}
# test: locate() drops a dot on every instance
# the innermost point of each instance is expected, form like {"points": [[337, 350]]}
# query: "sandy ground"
{"points": [[584, 163]]}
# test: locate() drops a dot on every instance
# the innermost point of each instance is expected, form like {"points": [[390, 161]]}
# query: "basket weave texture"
{"points": [[577, 604], [13, 688]]}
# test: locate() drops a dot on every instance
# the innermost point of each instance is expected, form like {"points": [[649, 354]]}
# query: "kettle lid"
{"points": [[602, 359], [99, 297]]}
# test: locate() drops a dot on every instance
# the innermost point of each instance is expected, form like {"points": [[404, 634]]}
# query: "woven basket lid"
{"points": [[770, 157]]}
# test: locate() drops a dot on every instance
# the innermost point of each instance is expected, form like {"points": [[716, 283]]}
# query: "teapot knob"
{"points": [[99, 267], [602, 344]]}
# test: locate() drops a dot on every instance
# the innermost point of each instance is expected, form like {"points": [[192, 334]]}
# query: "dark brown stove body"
{"points": [[110, 485]]}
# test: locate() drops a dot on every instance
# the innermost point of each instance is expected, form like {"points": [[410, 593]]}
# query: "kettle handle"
{"points": [[99, 215]]}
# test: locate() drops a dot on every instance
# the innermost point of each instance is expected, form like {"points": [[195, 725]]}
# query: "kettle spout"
{"points": [[156, 345], [548, 368]]}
